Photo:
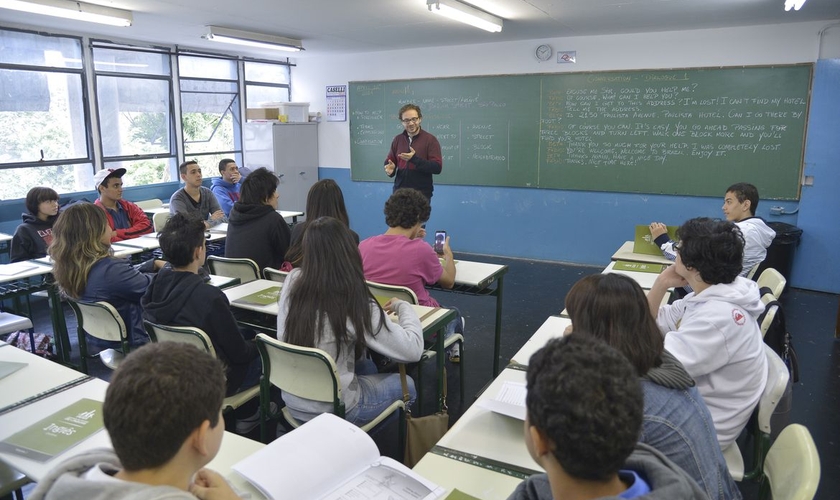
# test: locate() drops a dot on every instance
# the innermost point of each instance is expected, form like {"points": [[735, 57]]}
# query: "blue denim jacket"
{"points": [[678, 424]]}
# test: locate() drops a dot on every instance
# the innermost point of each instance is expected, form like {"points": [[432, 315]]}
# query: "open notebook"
{"points": [[331, 459]]}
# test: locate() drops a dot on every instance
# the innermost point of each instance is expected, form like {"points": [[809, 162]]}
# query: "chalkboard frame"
{"points": [[779, 182]]}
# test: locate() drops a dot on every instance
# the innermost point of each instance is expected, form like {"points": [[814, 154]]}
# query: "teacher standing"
{"points": [[415, 154]]}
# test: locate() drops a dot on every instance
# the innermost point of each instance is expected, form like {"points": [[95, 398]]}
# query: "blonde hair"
{"points": [[77, 246]]}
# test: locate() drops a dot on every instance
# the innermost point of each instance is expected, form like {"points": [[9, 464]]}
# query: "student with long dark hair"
{"points": [[32, 238], [326, 304], [324, 199], [676, 420]]}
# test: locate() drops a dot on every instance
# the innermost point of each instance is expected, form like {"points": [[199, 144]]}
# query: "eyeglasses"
{"points": [[411, 120]]}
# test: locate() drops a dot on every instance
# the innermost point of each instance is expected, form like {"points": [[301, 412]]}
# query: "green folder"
{"points": [[261, 298], [643, 242], [59, 432], [459, 495], [641, 267]]}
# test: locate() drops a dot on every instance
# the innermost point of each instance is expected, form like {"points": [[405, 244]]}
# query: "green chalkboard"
{"points": [[685, 132]]}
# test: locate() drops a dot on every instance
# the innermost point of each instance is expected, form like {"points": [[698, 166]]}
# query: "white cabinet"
{"points": [[290, 150]]}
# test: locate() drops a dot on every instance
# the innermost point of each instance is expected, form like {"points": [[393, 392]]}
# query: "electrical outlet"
{"points": [[777, 210]]}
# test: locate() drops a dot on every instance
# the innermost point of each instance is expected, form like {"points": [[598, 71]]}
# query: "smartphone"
{"points": [[440, 239]]}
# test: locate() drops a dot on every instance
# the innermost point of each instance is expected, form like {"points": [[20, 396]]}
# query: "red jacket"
{"points": [[139, 223]]}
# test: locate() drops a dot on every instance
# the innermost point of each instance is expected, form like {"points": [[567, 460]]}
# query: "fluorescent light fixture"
{"points": [[794, 4], [69, 9], [251, 39], [467, 14]]}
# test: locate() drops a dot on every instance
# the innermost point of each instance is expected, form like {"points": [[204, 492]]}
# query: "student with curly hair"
{"points": [[713, 331], [585, 411], [401, 257], [676, 421]]}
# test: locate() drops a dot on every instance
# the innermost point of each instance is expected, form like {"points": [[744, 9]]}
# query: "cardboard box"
{"points": [[262, 113]]}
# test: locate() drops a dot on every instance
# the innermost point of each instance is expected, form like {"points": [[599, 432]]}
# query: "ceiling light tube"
{"points": [[466, 14], [251, 39], [69, 9]]}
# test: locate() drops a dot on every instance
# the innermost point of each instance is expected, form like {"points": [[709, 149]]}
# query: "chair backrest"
{"points": [[147, 204], [753, 270], [302, 371], [275, 274], [244, 269], [159, 220], [384, 292], [768, 319], [792, 466], [777, 380], [773, 280], [185, 334], [100, 320]]}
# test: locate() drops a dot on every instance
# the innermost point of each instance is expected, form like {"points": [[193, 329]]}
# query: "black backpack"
{"points": [[777, 336]]}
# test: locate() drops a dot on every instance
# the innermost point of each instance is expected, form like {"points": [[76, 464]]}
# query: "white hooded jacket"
{"points": [[757, 237], [716, 337]]}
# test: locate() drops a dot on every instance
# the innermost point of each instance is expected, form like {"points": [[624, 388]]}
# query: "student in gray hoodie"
{"points": [[163, 413], [584, 416]]}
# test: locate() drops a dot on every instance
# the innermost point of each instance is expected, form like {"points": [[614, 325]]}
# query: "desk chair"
{"points": [[197, 337], [147, 204], [100, 320], [244, 269], [159, 220], [778, 377], [768, 319], [750, 275], [773, 280], [275, 274], [11, 481], [792, 466], [383, 292], [307, 373]]}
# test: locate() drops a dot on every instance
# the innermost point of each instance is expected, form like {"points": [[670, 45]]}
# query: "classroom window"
{"points": [[42, 113], [210, 114], [134, 104], [265, 82]]}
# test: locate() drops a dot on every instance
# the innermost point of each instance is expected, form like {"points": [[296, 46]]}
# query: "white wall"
{"points": [[752, 45]]}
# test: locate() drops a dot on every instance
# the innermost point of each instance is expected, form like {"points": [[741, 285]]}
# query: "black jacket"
{"points": [[32, 238], [259, 233], [176, 298]]}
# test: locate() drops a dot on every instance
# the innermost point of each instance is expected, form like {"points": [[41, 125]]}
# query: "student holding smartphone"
{"points": [[401, 256]]}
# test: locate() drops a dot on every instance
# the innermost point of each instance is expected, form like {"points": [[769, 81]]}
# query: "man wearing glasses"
{"points": [[415, 154]]}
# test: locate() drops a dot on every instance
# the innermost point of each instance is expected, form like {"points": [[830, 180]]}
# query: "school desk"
{"points": [[625, 252]]}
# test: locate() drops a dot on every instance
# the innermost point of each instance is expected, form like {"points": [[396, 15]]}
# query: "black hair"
{"points": [[184, 166], [585, 397], [258, 187], [180, 237], [714, 247], [406, 207], [38, 195], [223, 163], [745, 191]]}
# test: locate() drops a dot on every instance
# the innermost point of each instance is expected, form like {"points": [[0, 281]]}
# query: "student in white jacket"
{"points": [[739, 206], [713, 330]]}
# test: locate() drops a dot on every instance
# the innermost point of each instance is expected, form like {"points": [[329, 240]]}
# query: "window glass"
{"points": [[266, 73], [209, 163], [134, 115], [131, 61], [40, 50], [16, 182], [255, 95], [204, 67], [142, 172]]}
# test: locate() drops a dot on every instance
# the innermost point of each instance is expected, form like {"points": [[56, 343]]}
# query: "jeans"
{"points": [[678, 424], [376, 392]]}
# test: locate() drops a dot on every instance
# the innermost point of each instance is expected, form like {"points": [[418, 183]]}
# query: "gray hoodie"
{"points": [[67, 482], [666, 480]]}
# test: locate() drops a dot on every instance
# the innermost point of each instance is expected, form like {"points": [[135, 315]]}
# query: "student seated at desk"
{"points": [[32, 238], [85, 271], [125, 218], [195, 200], [587, 444], [676, 421], [163, 413], [739, 204], [324, 199], [226, 186], [401, 257], [713, 331], [178, 296], [326, 304], [255, 230]]}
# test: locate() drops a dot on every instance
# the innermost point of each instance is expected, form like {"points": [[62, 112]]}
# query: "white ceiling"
{"points": [[352, 26]]}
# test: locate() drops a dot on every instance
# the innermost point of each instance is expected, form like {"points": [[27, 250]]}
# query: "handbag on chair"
{"points": [[422, 433]]}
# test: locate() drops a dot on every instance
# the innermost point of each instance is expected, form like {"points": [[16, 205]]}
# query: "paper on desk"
{"points": [[16, 268], [509, 401]]}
